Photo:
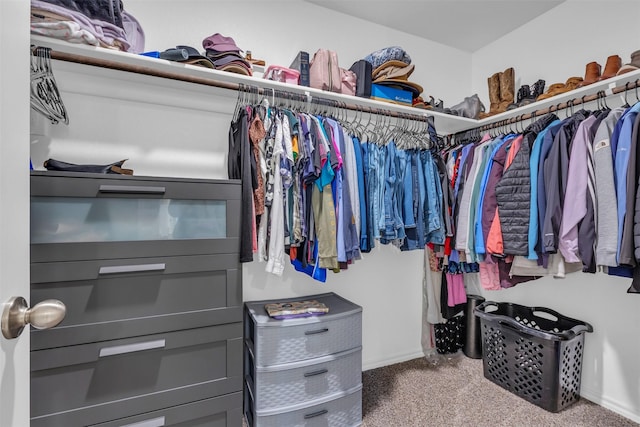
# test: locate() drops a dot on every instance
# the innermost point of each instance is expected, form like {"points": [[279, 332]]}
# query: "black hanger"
{"points": [[626, 90]]}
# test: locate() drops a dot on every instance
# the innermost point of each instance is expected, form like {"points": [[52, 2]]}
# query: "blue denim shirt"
{"points": [[393, 226], [415, 235]]}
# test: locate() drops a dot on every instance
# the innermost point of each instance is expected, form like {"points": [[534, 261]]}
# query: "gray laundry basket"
{"points": [[537, 358]]}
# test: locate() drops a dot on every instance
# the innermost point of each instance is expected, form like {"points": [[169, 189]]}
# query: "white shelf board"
{"points": [[606, 85], [445, 123]]}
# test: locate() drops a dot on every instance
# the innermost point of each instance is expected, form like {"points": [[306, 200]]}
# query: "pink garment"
{"points": [[489, 276], [456, 293]]}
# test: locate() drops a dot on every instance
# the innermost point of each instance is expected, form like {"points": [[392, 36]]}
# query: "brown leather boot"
{"points": [[507, 89], [614, 62], [591, 74], [494, 96]]}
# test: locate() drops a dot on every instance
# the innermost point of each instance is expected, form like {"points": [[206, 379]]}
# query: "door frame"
{"points": [[14, 203]]}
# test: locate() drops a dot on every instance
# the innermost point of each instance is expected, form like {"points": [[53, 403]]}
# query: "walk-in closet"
{"points": [[169, 316]]}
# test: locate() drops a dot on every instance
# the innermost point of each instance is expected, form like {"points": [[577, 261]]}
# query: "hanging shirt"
{"points": [[607, 225], [534, 162], [463, 226], [621, 163], [575, 201], [556, 171], [479, 240]]}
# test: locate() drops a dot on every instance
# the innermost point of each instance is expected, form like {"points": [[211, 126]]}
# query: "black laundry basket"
{"points": [[534, 352]]}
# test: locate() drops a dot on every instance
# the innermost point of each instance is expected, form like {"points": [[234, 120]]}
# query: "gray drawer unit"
{"points": [[92, 383], [293, 385], [149, 271], [223, 411], [111, 299], [275, 342], [303, 371], [345, 410], [78, 217]]}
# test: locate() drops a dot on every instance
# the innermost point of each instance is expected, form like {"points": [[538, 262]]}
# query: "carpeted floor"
{"points": [[455, 393]]}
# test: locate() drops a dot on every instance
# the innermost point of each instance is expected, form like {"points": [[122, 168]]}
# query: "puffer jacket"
{"points": [[513, 193]]}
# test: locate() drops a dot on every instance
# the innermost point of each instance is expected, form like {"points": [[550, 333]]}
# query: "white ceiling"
{"points": [[463, 24]]}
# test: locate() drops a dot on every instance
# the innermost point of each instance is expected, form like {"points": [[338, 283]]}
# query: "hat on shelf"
{"points": [[395, 73], [390, 53], [219, 43], [393, 69], [186, 55], [631, 66], [225, 55]]}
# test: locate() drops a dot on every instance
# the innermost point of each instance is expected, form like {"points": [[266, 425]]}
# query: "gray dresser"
{"points": [[149, 271], [303, 371]]}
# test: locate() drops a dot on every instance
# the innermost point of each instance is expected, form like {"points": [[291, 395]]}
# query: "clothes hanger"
{"points": [[626, 91], [604, 99], [45, 96]]}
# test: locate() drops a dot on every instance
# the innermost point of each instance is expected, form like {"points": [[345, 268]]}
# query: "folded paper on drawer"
{"points": [[288, 310]]}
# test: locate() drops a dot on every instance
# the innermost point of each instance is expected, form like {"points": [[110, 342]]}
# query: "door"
{"points": [[14, 203]]}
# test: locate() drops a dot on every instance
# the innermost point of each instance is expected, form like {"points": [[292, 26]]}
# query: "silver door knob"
{"points": [[16, 314]]}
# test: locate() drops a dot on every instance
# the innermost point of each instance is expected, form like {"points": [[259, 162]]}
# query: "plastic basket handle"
{"points": [[514, 324]]}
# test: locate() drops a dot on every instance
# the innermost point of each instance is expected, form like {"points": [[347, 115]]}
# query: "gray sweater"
{"points": [[606, 213]]}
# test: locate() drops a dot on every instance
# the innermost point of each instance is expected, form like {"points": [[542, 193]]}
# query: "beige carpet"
{"points": [[455, 393]]}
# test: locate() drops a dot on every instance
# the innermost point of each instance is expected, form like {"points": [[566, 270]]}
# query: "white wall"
{"points": [[553, 47], [276, 30], [558, 44]]}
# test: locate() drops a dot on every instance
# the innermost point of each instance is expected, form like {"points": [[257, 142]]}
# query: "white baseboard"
{"points": [[396, 358], [610, 404]]}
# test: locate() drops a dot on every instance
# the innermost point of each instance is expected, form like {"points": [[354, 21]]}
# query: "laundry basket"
{"points": [[534, 352]]}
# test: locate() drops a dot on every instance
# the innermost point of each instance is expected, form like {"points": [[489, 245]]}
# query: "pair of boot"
{"points": [[593, 72], [528, 94], [501, 92]]}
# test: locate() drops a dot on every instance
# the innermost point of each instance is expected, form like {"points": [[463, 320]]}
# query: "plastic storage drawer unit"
{"points": [[303, 371], [534, 352]]}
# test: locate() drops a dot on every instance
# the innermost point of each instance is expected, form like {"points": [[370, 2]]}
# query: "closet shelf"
{"points": [[123, 61], [445, 123], [612, 86]]}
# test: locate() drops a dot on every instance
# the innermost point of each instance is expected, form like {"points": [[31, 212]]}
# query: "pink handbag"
{"points": [[324, 72], [282, 74], [349, 82]]}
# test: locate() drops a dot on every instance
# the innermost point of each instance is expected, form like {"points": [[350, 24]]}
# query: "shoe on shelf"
{"points": [[611, 68], [592, 74], [631, 66], [558, 88], [524, 93]]}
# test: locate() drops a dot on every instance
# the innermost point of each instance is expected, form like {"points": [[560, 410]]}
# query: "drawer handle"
{"points": [[131, 348], [132, 189], [156, 422], [315, 414], [318, 372], [317, 331], [115, 269]]}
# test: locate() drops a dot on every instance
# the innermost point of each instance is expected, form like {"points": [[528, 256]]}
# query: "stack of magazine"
{"points": [[291, 310]]}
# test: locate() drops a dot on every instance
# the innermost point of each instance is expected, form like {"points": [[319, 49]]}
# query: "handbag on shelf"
{"points": [[471, 107], [112, 168], [348, 82], [324, 72], [363, 72]]}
